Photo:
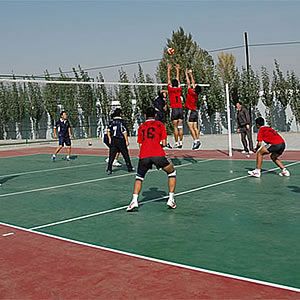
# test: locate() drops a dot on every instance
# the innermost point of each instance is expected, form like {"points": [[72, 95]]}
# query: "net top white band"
{"points": [[91, 82]]}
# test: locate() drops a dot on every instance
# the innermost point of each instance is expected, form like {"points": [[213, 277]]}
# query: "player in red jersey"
{"points": [[150, 134], [174, 91], [275, 146], [191, 105]]}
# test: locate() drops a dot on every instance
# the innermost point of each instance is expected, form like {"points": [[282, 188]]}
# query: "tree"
{"points": [[267, 96], [34, 104], [249, 88], [226, 68], [124, 96], [51, 98], [4, 104], [86, 98], [68, 99], [144, 95], [280, 86], [294, 84], [104, 96]]}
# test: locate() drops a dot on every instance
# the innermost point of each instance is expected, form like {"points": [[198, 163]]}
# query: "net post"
{"points": [[229, 122], [25, 107]]}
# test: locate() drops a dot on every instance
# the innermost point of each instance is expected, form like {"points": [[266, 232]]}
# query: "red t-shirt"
{"points": [[175, 96], [150, 134], [269, 136], [191, 100]]}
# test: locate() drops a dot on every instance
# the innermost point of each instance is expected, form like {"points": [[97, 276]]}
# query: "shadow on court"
{"points": [[153, 193], [294, 188], [5, 179], [190, 159]]}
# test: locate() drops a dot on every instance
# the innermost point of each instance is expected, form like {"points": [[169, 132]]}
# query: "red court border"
{"points": [[40, 266], [199, 154]]}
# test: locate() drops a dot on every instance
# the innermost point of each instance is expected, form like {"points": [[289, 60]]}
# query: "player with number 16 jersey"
{"points": [[150, 134]]}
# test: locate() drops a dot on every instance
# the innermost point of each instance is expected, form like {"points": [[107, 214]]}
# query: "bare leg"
{"points": [[192, 130], [277, 161], [259, 157], [196, 130], [69, 151], [117, 156], [58, 149], [175, 126], [171, 180], [180, 122], [137, 187]]}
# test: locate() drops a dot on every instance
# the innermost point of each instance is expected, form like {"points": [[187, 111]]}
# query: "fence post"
{"points": [[229, 122]]}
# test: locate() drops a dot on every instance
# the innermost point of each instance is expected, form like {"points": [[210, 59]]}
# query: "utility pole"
{"points": [[248, 69]]}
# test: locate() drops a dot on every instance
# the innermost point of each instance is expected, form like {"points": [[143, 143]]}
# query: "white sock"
{"points": [[54, 155], [68, 156], [196, 141], [180, 143], [257, 170], [135, 197], [171, 196]]}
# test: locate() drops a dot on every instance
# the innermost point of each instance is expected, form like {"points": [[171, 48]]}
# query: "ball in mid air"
{"points": [[170, 51], [90, 144]]}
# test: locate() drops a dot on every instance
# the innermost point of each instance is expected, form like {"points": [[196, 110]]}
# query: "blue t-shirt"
{"points": [[62, 127], [117, 127]]}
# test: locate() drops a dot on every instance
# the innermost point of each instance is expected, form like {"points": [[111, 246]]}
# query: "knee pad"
{"points": [[172, 174], [180, 127]]}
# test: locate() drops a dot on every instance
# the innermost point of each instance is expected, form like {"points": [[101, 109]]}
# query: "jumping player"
{"points": [[118, 141], [275, 147], [150, 134], [174, 90], [64, 134], [191, 105], [160, 105]]}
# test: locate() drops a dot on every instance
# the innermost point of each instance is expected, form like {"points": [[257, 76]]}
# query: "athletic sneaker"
{"points": [[107, 160], [196, 146], [68, 158], [251, 152], [171, 203], [168, 146], [179, 146], [284, 172], [176, 145], [131, 170], [53, 157], [134, 204], [244, 152], [109, 172], [254, 173], [116, 163]]}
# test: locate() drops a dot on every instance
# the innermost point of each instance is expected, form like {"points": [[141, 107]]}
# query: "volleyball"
{"points": [[170, 51]]}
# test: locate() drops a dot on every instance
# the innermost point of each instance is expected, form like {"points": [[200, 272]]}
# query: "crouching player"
{"points": [[275, 147], [150, 134]]}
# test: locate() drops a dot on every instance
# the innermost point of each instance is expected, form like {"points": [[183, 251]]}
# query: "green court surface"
{"points": [[231, 223]]}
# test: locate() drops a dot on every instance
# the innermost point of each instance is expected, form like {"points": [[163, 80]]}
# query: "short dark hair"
{"points": [[174, 83], [63, 112], [117, 112], [260, 121], [150, 112], [198, 89], [239, 102]]}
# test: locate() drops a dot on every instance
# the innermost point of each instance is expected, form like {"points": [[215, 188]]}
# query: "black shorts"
{"points": [[277, 149], [145, 164], [160, 116], [176, 114], [64, 140], [192, 116]]}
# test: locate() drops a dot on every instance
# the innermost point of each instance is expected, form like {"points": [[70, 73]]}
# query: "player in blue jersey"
{"points": [[118, 141], [62, 131]]}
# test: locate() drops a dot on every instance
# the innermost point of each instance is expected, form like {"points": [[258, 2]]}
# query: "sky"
{"points": [[40, 35]]}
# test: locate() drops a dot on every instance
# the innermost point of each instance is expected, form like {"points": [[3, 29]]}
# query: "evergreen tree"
{"points": [[124, 96], [294, 84], [267, 96], [4, 104]]}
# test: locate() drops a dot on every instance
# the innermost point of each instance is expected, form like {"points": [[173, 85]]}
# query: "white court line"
{"points": [[152, 200], [53, 169], [165, 262], [81, 182]]}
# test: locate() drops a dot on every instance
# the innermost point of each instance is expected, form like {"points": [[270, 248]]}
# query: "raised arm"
{"points": [[169, 74], [177, 73], [187, 79], [193, 80]]}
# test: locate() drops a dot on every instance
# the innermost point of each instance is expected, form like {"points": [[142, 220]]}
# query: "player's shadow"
{"points": [[176, 161], [5, 179], [73, 157], [294, 188], [190, 159], [153, 193]]}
